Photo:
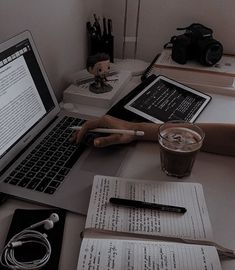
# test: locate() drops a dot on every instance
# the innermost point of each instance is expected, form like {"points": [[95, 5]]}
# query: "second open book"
{"points": [[114, 233]]}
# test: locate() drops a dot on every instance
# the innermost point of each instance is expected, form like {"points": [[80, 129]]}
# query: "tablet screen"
{"points": [[165, 99]]}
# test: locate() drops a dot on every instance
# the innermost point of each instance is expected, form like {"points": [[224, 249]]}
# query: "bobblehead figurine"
{"points": [[99, 66]]}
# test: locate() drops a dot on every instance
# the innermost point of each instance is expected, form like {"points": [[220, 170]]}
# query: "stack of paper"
{"points": [[79, 93]]}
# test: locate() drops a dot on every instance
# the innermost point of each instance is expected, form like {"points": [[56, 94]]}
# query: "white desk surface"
{"points": [[216, 174], [220, 109]]}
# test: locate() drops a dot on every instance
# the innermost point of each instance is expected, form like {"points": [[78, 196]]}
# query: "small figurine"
{"points": [[99, 66]]}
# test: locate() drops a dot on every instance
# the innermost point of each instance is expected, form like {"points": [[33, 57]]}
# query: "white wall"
{"points": [[58, 28], [160, 18]]}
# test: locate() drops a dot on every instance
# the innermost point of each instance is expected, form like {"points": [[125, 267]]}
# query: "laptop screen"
{"points": [[25, 98]]}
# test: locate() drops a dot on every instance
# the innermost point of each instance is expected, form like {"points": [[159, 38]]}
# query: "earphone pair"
{"points": [[27, 236]]}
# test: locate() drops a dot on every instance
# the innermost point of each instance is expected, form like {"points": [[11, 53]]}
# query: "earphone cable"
{"points": [[26, 236]]}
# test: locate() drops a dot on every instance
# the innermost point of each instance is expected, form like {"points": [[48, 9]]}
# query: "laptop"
{"points": [[37, 161]]}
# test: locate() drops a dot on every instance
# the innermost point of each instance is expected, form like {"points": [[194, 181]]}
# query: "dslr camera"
{"points": [[196, 43]]}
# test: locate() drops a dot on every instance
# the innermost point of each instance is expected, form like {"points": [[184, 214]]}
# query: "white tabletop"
{"points": [[221, 108], [216, 174]]}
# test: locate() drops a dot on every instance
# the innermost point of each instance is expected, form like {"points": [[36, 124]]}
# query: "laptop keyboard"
{"points": [[45, 168]]}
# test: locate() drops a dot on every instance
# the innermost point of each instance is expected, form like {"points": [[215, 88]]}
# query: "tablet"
{"points": [[165, 99]]}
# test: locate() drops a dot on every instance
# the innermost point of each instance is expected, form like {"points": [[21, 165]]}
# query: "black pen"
{"points": [[148, 205], [97, 26], [110, 27], [104, 28]]}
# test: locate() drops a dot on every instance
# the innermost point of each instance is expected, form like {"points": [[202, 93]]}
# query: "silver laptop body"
{"points": [[28, 112]]}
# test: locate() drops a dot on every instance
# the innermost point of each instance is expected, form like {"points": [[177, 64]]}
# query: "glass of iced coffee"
{"points": [[179, 143]]}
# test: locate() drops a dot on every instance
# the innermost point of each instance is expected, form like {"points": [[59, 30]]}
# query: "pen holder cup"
{"points": [[102, 45]]}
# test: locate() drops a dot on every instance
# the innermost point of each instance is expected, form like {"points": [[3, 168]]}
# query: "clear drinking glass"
{"points": [[179, 144]]}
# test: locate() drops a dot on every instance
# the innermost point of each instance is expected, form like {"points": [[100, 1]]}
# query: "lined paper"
{"points": [[194, 224], [139, 255]]}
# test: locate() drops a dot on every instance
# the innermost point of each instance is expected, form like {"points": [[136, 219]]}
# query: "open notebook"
{"points": [[114, 233]]}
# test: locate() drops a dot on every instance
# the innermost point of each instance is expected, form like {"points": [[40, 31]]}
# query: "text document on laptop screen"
{"points": [[24, 95], [20, 104]]}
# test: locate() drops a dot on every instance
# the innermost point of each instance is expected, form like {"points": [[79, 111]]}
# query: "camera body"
{"points": [[196, 43]]}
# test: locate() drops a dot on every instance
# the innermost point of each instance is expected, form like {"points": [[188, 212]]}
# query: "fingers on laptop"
{"points": [[107, 141], [102, 140], [112, 139], [79, 135]]}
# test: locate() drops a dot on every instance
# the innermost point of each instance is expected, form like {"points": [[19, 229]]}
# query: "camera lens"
{"points": [[214, 54], [211, 53]]}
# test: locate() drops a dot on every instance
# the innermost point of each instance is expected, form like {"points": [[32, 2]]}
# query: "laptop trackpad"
{"points": [[105, 161]]}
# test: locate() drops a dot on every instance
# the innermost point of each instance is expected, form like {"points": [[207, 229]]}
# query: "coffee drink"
{"points": [[179, 143]]}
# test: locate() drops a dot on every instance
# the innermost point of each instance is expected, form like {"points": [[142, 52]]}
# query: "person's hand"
{"points": [[106, 122]]}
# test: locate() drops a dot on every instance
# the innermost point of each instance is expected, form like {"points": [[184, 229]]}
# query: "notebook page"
{"points": [[194, 224], [139, 255]]}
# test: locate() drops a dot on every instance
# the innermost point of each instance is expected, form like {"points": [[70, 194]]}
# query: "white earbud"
{"points": [[54, 217], [47, 223]]}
